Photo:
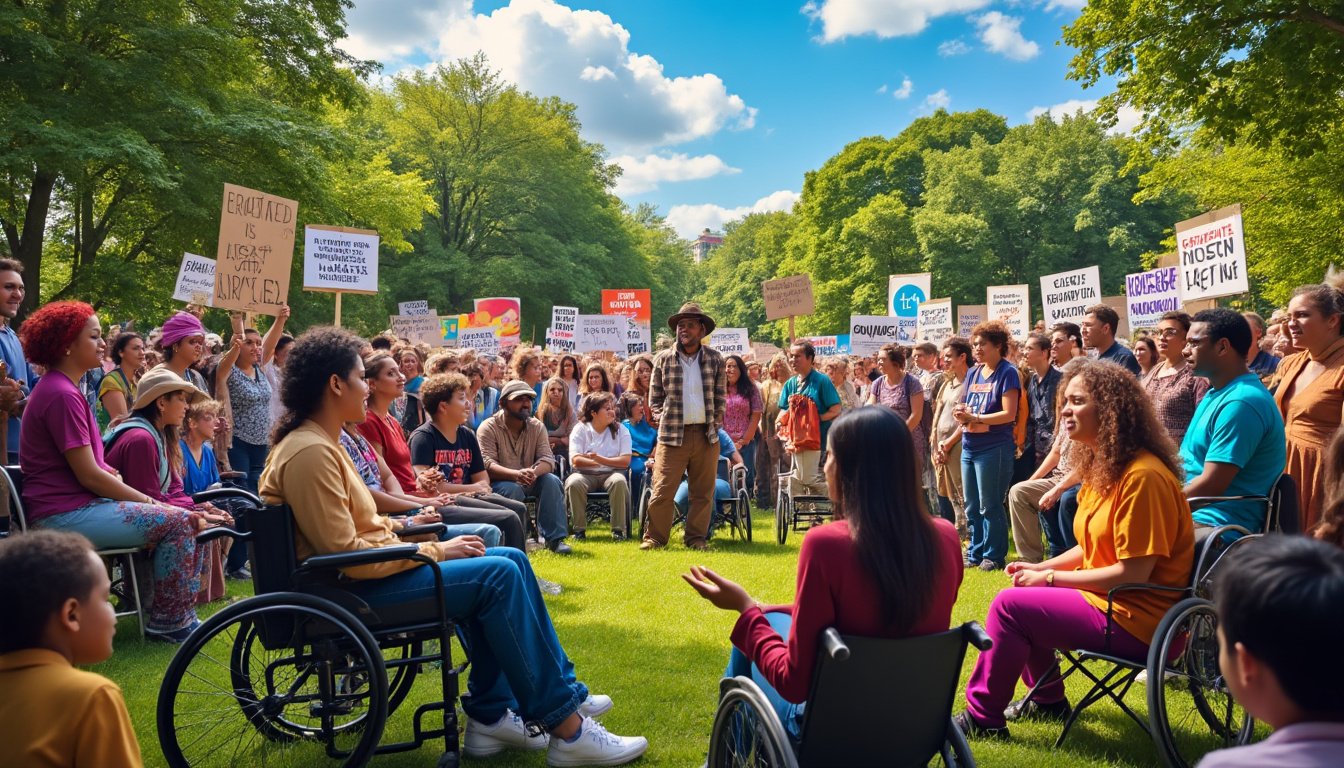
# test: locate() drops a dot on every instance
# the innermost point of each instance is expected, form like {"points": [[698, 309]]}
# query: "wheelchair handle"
{"points": [[977, 636], [228, 493], [423, 529], [219, 532], [833, 644]]}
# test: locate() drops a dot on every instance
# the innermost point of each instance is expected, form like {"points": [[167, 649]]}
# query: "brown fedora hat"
{"points": [[691, 309]]}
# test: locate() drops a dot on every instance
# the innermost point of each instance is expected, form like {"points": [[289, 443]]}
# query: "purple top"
{"points": [[57, 419], [737, 412], [136, 456], [1301, 745], [897, 398]]}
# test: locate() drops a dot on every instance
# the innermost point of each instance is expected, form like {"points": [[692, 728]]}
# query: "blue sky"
{"points": [[716, 109]]}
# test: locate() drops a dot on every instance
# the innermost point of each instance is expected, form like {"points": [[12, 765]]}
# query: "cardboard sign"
{"points": [[600, 333], [1212, 253], [1118, 304], [788, 297], [560, 336], [1065, 296], [340, 259], [256, 248], [868, 333], [504, 315], [730, 341], [638, 338], [935, 321], [904, 295], [448, 329], [823, 345], [631, 302], [1010, 305], [969, 316], [416, 328], [408, 308], [483, 340], [1149, 295], [195, 280]]}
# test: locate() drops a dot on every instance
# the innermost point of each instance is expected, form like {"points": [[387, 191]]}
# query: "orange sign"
{"points": [[635, 303]]}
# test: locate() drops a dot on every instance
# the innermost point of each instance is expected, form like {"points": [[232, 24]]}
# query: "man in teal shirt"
{"points": [[807, 476], [1235, 444]]}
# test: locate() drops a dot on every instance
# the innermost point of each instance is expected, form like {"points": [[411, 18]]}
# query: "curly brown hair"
{"points": [[1331, 526], [1126, 424]]}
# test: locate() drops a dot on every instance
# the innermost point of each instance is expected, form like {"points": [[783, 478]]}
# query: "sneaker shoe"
{"points": [[650, 544], [580, 535], [594, 746], [595, 705], [559, 547], [989, 565], [173, 636], [549, 587], [510, 732], [241, 574], [1030, 709], [973, 730], [618, 535]]}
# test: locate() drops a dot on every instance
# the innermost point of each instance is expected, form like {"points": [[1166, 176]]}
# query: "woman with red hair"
{"points": [[67, 484]]}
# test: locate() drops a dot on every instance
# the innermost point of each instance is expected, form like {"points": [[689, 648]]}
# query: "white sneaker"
{"points": [[509, 733], [595, 705], [594, 746]]}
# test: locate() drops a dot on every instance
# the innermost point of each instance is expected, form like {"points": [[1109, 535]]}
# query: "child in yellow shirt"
{"points": [[54, 595]]}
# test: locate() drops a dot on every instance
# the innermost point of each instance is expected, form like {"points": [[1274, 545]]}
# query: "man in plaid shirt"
{"points": [[687, 394]]}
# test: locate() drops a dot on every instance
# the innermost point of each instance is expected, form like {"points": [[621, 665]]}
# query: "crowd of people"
{"points": [[1098, 460]]}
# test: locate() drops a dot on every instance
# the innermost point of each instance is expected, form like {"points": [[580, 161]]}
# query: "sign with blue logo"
{"points": [[904, 295]]}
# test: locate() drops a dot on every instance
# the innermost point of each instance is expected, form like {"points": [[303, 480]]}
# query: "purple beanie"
{"points": [[179, 327]]}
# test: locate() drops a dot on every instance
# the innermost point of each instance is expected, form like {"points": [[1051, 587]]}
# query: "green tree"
{"points": [[751, 251]]}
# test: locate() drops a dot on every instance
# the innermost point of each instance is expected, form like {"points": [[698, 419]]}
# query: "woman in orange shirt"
{"points": [[1133, 526]]}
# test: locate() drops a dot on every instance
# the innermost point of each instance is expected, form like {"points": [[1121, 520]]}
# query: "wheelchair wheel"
{"points": [[747, 732], [956, 751], [1191, 708], [645, 496], [782, 504], [744, 513], [280, 674]]}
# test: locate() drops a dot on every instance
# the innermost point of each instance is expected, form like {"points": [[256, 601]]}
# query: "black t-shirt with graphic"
{"points": [[459, 461]]}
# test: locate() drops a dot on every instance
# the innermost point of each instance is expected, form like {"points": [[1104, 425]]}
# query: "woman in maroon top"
{"points": [[884, 568]]}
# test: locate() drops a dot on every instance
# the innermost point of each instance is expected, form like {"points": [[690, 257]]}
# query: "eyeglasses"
{"points": [[1168, 333]]}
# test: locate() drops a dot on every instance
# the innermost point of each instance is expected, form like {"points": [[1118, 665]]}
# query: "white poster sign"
{"points": [[408, 308], [483, 340], [867, 333], [730, 341], [969, 316], [417, 328], [195, 280], [1010, 305], [1212, 255], [904, 295], [340, 259], [638, 337], [1065, 296], [1151, 294], [560, 336], [935, 320], [600, 333]]}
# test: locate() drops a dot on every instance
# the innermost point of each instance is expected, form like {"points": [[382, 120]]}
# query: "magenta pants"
{"points": [[1027, 624]]}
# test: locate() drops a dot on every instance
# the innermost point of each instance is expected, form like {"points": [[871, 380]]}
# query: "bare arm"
{"points": [[1213, 481], [272, 337], [225, 368], [916, 410]]}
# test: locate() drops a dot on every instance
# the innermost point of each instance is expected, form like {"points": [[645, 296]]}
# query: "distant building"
{"points": [[706, 242]]}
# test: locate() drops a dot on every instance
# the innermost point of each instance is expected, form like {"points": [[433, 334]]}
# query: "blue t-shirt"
{"points": [[1237, 424], [198, 477], [983, 396], [1120, 354], [12, 353], [642, 438], [817, 386]]}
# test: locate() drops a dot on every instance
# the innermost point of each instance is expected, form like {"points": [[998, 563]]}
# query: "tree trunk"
{"points": [[28, 248]]}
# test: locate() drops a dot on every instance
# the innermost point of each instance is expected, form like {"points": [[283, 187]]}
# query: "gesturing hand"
{"points": [[723, 593], [462, 547]]}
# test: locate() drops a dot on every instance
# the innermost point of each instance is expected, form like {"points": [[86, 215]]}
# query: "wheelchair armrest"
{"points": [[976, 635], [834, 645], [422, 530], [360, 557], [227, 493], [219, 532], [1199, 502]]}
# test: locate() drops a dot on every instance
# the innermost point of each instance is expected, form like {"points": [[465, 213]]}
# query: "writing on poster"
{"points": [[414, 307], [1065, 296], [1151, 294], [340, 259], [969, 316], [560, 336], [868, 333], [256, 248], [637, 337], [1211, 252], [1009, 305], [730, 341], [483, 340], [788, 297], [195, 280], [600, 333], [416, 328], [935, 320]]}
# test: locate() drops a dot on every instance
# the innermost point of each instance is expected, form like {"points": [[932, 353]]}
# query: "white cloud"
{"points": [[688, 220], [624, 99], [1127, 118], [1065, 5], [937, 100], [645, 174], [884, 18], [392, 31], [955, 47], [907, 87], [882, 89], [1003, 34]]}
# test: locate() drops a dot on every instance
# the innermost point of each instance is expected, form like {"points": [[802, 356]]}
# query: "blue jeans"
{"points": [[1058, 523], [516, 659], [748, 452], [552, 522], [790, 714], [488, 533], [250, 459], [985, 480]]}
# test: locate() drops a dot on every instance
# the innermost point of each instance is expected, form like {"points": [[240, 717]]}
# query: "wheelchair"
{"points": [[854, 702], [306, 672], [734, 511], [1190, 707], [787, 516]]}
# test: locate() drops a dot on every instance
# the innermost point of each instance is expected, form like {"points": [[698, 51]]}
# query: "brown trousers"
{"points": [[698, 459]]}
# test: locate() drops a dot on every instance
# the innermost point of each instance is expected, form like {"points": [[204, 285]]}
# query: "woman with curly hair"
{"points": [[68, 486], [1133, 526], [1331, 528]]}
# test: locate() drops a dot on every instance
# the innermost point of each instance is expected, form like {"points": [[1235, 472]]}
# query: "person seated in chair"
{"points": [[517, 454], [520, 675], [643, 439], [882, 550], [723, 490], [1279, 590], [1133, 526], [1235, 445], [599, 451]]}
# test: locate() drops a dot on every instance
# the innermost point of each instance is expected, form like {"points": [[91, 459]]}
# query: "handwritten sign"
{"points": [[340, 259], [416, 328], [408, 308], [1010, 305], [256, 248], [868, 333], [788, 297], [969, 316], [560, 336], [600, 333], [935, 320], [1212, 255], [1066, 296], [730, 341], [636, 303], [195, 280], [638, 337], [483, 340], [1151, 294], [904, 295]]}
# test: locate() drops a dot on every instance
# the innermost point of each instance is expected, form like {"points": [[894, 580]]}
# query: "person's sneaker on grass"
{"points": [[593, 745], [973, 730], [989, 565], [484, 740], [239, 574], [1030, 709], [595, 705]]}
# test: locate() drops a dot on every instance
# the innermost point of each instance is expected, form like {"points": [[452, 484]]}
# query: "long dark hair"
{"points": [[172, 433], [318, 354], [745, 386], [879, 495]]}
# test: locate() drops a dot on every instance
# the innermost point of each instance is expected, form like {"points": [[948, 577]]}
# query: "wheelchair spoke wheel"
{"points": [[782, 504], [1191, 709], [747, 734], [280, 679], [744, 513]]}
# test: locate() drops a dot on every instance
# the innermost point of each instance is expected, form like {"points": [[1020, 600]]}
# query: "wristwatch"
{"points": [[1050, 578]]}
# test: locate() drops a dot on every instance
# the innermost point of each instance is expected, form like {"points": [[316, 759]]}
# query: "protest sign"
{"points": [[483, 340], [256, 248], [448, 328], [1148, 295], [788, 297], [730, 341], [1010, 305], [195, 280], [1118, 304], [560, 336], [867, 333], [503, 314], [416, 328], [935, 321], [635, 303], [904, 295], [340, 259], [638, 337], [969, 316], [599, 333], [1065, 296], [823, 345], [408, 308], [1212, 255]]}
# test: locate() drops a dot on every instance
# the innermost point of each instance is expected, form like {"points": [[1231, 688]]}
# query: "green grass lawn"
{"points": [[639, 634]]}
